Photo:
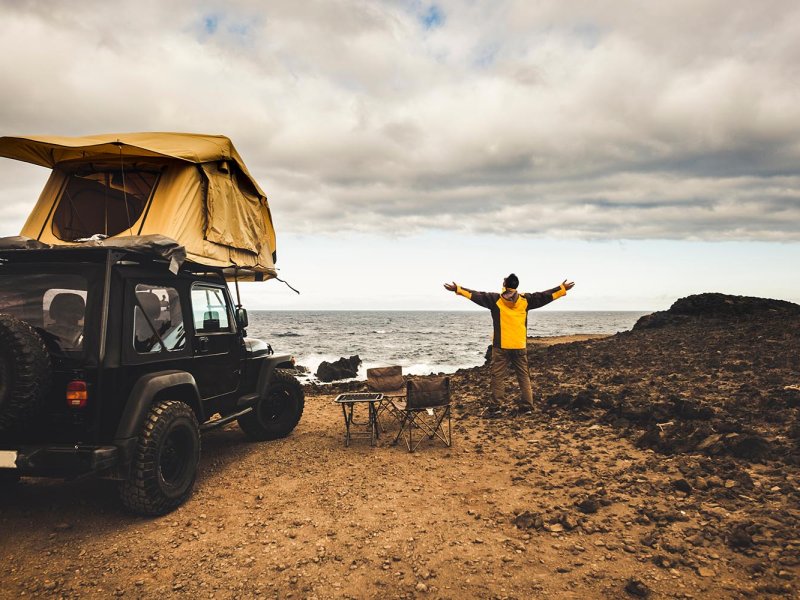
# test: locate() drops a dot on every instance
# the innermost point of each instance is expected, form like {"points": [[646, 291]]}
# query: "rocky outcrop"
{"points": [[716, 306], [344, 368], [714, 375]]}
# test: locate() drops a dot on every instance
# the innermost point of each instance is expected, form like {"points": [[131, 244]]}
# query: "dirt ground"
{"points": [[563, 502]]}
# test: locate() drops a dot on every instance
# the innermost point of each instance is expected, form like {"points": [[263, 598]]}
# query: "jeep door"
{"points": [[216, 345]]}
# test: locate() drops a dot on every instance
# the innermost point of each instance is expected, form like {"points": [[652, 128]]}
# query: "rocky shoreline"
{"points": [[712, 386], [660, 462]]}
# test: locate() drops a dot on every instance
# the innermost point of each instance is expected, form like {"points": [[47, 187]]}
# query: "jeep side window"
{"points": [[209, 309], [157, 320], [63, 311]]}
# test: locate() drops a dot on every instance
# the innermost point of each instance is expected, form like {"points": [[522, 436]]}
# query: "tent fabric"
{"points": [[49, 151], [222, 212], [203, 198]]}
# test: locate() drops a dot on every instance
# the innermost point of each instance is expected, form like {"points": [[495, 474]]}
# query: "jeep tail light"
{"points": [[77, 394]]}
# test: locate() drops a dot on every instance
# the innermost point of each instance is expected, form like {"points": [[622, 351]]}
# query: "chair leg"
{"points": [[410, 433], [439, 431], [402, 428], [449, 435], [434, 428], [381, 408], [431, 429]]}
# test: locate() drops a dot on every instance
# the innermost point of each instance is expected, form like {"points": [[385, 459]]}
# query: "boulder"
{"points": [[344, 368]]}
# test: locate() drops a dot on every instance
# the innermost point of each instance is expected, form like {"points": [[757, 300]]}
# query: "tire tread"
{"points": [[140, 492]]}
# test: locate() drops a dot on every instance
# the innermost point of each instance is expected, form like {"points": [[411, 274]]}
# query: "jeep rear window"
{"points": [[55, 304], [105, 202]]}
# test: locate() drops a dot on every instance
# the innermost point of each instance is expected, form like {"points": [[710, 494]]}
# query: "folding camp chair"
{"points": [[389, 382], [426, 408]]}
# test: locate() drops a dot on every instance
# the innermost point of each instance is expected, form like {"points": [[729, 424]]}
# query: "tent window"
{"points": [[96, 202]]}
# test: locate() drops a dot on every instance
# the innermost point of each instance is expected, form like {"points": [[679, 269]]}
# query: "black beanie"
{"points": [[512, 281]]}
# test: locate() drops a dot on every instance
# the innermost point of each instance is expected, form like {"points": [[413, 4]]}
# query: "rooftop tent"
{"points": [[192, 188]]}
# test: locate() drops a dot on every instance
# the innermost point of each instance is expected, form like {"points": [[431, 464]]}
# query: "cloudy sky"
{"points": [[647, 150]]}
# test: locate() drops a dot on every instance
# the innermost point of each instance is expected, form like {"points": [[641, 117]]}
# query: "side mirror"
{"points": [[241, 318]]}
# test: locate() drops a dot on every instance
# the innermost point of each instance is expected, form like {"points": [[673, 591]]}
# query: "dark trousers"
{"points": [[518, 360]]}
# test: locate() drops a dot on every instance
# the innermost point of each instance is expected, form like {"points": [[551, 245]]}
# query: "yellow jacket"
{"points": [[510, 312]]}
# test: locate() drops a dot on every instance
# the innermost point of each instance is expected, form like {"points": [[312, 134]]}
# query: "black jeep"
{"points": [[112, 364]]}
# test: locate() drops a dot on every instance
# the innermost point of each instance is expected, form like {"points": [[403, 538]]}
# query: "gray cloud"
{"points": [[679, 120]]}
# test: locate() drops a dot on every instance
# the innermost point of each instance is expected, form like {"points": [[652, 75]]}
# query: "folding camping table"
{"points": [[347, 402]]}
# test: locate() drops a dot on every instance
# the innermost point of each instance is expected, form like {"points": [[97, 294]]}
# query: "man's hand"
{"points": [[568, 285], [451, 287]]}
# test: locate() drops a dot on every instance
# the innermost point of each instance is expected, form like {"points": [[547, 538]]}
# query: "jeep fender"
{"points": [[179, 385], [268, 366]]}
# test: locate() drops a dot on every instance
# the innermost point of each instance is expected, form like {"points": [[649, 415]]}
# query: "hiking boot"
{"points": [[490, 411]]}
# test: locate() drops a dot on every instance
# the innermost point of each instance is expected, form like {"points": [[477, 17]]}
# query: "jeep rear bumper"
{"points": [[66, 461]]}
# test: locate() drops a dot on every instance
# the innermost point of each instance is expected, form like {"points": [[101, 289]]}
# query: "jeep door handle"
{"points": [[202, 344]]}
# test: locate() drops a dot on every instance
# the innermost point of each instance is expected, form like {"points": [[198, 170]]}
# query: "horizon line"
{"points": [[426, 310]]}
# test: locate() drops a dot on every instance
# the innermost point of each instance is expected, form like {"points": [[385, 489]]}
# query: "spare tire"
{"points": [[25, 375]]}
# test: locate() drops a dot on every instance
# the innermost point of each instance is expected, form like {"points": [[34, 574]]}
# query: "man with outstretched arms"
{"points": [[510, 318]]}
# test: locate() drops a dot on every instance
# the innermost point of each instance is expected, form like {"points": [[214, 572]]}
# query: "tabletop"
{"points": [[358, 397]]}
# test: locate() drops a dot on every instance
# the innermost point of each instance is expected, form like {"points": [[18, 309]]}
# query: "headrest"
{"points": [[434, 391], [150, 303], [67, 306], [385, 378]]}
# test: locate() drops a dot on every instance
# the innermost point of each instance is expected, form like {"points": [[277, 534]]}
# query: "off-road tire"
{"points": [[164, 467], [278, 412], [25, 372]]}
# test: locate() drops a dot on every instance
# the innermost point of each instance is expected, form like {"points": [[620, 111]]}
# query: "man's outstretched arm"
{"points": [[538, 299], [484, 299]]}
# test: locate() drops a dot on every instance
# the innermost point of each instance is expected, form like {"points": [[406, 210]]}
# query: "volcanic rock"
{"points": [[752, 447], [682, 486], [740, 538], [344, 368], [529, 520], [636, 588], [713, 305], [588, 506]]}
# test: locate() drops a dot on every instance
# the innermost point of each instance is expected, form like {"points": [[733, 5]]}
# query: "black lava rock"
{"points": [[714, 305], [636, 588], [344, 368]]}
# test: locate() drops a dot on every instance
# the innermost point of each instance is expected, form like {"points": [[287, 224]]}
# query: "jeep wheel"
{"points": [[24, 372], [278, 412], [165, 464]]}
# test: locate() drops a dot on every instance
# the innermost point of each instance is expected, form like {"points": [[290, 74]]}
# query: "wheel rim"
{"points": [[175, 458], [275, 406]]}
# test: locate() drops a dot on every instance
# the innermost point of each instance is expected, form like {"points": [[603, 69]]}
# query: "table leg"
{"points": [[373, 424], [347, 422]]}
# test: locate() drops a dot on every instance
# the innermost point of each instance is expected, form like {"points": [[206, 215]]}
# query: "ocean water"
{"points": [[422, 342]]}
